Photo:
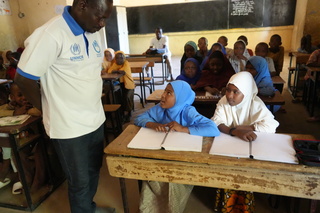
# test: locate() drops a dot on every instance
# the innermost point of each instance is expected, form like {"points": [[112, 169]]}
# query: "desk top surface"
{"points": [[18, 128], [111, 76], [314, 69], [277, 80], [277, 99], [119, 147], [138, 64]]}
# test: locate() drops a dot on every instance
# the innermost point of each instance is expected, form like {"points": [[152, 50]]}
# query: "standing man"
{"points": [[160, 44], [65, 54]]}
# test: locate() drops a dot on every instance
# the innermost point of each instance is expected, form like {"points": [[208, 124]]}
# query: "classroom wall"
{"points": [[312, 22]]}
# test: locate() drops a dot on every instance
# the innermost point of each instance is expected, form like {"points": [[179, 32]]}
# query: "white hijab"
{"points": [[251, 110]]}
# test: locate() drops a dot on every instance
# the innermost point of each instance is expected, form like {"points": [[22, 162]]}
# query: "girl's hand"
{"points": [[158, 127], [174, 126], [246, 135], [213, 91]]}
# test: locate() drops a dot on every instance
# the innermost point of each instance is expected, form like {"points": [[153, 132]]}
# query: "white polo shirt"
{"points": [[158, 44], [67, 61]]}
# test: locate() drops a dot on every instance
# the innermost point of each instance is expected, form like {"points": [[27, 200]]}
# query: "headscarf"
{"points": [[184, 57], [183, 76], [106, 64], [218, 81], [251, 110], [263, 78], [223, 50], [192, 44], [245, 53], [127, 78]]}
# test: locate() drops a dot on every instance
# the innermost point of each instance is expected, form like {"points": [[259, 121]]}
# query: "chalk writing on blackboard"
{"points": [[242, 7]]}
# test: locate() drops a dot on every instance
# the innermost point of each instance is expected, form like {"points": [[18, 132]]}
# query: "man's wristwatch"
{"points": [[231, 130]]}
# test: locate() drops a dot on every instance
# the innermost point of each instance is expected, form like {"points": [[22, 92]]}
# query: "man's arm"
{"points": [[30, 89]]}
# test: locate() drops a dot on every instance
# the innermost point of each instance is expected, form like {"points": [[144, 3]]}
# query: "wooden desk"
{"points": [[27, 200], [111, 78], [300, 61], [310, 90], [203, 169], [278, 83], [200, 98]]}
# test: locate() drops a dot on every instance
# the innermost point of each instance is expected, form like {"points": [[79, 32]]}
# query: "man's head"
{"points": [[91, 15], [158, 32]]}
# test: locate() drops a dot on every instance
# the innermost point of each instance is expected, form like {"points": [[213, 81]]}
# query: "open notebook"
{"points": [[13, 120], [175, 141], [267, 146]]}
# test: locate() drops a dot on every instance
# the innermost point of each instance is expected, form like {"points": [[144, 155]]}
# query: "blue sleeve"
{"points": [[147, 116], [265, 87], [200, 125]]}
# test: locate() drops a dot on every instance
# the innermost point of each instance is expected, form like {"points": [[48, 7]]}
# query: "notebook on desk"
{"points": [[13, 120], [175, 141], [267, 146]]}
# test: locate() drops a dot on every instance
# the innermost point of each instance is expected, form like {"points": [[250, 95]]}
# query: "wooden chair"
{"points": [[112, 112]]}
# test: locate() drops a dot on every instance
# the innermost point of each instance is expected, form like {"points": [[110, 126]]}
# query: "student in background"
{"points": [[107, 60], [306, 45], [6, 55], [203, 47], [276, 52], [176, 113], [191, 71], [215, 74], [248, 52], [215, 47], [262, 50], [239, 113], [160, 44], [190, 49], [238, 60], [3, 69], [14, 59], [120, 64], [224, 41]]}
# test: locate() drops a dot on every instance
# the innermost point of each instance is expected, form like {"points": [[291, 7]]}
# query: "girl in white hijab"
{"points": [[239, 113], [107, 60]]}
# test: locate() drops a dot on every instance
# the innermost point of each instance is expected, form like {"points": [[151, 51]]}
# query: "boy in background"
{"points": [[262, 50], [276, 52], [203, 47], [224, 41]]}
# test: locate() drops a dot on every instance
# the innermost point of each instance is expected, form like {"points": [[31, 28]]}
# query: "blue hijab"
{"points": [[183, 76], [263, 78]]}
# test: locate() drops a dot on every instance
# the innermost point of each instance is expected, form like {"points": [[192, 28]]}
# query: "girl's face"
{"points": [[234, 95], [120, 58], [168, 99], [238, 48], [190, 69], [250, 68], [215, 65], [189, 50], [108, 56]]}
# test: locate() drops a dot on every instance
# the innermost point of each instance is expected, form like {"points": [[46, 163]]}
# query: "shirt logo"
{"points": [[96, 46], [75, 49]]}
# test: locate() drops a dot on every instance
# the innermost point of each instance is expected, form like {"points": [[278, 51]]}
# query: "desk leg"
{"points": [[124, 195], [142, 89], [314, 94]]}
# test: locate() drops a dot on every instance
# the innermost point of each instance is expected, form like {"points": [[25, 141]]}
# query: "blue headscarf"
{"points": [[183, 76], [263, 78]]}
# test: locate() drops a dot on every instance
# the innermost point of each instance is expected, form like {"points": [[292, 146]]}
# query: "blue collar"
{"points": [[73, 25]]}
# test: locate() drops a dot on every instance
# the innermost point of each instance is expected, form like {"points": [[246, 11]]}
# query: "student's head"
{"points": [[257, 66], [203, 43], [216, 47], [243, 38], [191, 67], [275, 42], [14, 59], [109, 54], [262, 49], [239, 47], [190, 49], [177, 95], [16, 95], [241, 88], [4, 94], [216, 62], [91, 15], [158, 32], [223, 40], [120, 57]]}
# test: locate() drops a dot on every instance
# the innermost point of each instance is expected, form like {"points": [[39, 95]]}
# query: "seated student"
{"points": [[215, 74], [174, 112], [3, 69], [203, 47], [262, 50], [18, 105], [224, 41], [215, 47], [107, 60], [190, 49], [6, 55], [160, 44], [313, 61], [276, 52], [239, 113], [191, 71], [306, 45], [258, 67], [120, 64], [14, 59], [248, 52], [238, 60]]}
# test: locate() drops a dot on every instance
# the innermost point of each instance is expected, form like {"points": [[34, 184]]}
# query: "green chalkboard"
{"points": [[211, 15]]}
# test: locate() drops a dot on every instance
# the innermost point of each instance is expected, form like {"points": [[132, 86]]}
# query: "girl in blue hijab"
{"points": [[176, 113], [191, 71], [258, 67], [214, 47]]}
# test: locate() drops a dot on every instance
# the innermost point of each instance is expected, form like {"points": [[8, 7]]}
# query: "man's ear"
{"points": [[83, 4]]}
